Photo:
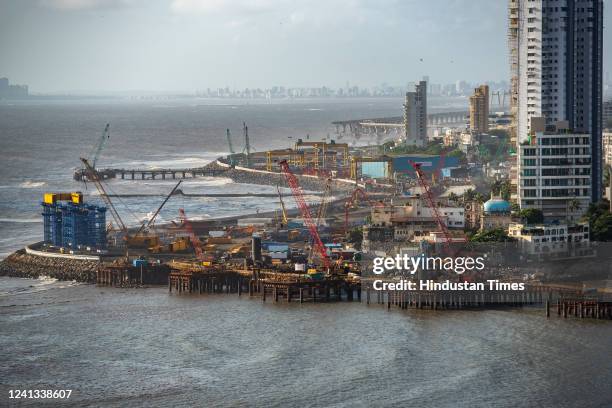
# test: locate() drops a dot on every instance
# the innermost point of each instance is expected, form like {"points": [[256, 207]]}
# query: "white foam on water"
{"points": [[45, 280], [22, 220], [208, 181], [32, 184], [176, 161], [19, 286]]}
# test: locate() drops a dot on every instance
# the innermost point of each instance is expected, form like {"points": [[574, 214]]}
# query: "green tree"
{"points": [[600, 221], [494, 235], [602, 228], [501, 188], [532, 215], [356, 237], [469, 195], [479, 197]]}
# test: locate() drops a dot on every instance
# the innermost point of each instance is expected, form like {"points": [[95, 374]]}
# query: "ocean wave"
{"points": [[162, 187], [42, 283], [22, 220], [177, 162], [32, 184], [208, 181]]}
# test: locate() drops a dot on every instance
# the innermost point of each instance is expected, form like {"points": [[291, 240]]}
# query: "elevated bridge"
{"points": [[385, 125]]}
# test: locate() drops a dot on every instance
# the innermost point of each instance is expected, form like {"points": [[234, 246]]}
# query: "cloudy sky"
{"points": [[184, 45]]}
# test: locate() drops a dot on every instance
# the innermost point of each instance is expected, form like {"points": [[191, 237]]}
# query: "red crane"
{"points": [[298, 196], [195, 241], [429, 197]]}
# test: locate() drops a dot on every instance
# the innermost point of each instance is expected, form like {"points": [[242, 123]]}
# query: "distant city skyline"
{"points": [[67, 46], [458, 88]]}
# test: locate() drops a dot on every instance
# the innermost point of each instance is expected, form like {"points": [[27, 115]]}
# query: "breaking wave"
{"points": [[22, 220], [32, 184]]}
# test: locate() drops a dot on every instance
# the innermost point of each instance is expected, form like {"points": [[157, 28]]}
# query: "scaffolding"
{"points": [[70, 225]]}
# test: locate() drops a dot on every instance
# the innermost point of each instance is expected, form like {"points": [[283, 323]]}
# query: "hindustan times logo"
{"points": [[412, 264]]}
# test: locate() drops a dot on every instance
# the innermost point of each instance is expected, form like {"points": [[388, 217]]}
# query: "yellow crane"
{"points": [[282, 205]]}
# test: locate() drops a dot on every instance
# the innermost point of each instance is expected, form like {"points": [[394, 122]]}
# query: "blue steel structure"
{"points": [[429, 164], [70, 225]]}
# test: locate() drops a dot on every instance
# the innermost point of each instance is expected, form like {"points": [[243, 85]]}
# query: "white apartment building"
{"points": [[551, 239], [556, 174]]}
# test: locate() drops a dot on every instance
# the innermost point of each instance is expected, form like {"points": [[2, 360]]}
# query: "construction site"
{"points": [[307, 249], [336, 207]]}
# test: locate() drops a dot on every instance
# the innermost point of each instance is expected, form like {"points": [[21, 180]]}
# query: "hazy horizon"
{"points": [[166, 46]]}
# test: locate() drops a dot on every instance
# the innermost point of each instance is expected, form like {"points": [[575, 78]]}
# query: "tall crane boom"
{"points": [[95, 154], [303, 206], [282, 205], [322, 211], [92, 174], [429, 197], [146, 225], [229, 141], [247, 143]]}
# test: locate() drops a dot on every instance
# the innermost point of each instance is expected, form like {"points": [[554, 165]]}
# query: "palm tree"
{"points": [[469, 195], [573, 205]]}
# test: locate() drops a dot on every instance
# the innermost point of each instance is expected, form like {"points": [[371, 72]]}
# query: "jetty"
{"points": [[150, 174]]}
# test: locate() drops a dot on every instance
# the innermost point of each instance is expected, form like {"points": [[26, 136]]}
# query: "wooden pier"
{"points": [[128, 275], [150, 174], [444, 300], [584, 307], [275, 286], [268, 285], [326, 290]]}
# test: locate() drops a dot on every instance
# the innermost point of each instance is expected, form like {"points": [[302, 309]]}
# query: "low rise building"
{"points": [[408, 220], [496, 213], [607, 148], [551, 239], [473, 213], [373, 235], [414, 208]]}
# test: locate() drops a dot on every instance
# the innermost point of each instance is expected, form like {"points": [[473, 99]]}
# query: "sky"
{"points": [[188, 45]]}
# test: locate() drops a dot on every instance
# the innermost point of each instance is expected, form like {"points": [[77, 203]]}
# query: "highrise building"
{"points": [[555, 171], [415, 115], [479, 110], [556, 82], [607, 114]]}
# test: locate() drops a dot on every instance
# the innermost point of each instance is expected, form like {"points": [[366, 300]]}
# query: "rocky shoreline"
{"points": [[19, 264]]}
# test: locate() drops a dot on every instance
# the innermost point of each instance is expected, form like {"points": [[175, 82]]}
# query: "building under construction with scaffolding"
{"points": [[70, 223]]}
